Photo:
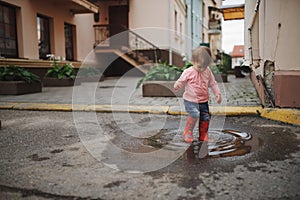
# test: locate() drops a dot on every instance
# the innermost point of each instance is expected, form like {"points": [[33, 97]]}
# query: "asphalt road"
{"points": [[49, 155]]}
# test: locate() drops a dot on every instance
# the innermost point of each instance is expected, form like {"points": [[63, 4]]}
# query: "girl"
{"points": [[197, 79]]}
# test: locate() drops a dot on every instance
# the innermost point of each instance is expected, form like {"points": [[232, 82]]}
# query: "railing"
{"points": [[138, 43], [102, 33], [128, 38]]}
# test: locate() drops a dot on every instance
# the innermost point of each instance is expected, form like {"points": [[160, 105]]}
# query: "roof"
{"points": [[238, 51]]}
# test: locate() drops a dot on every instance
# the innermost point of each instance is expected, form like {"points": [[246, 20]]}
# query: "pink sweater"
{"points": [[196, 84]]}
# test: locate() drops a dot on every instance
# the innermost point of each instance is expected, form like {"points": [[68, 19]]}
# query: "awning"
{"points": [[78, 6], [233, 12]]}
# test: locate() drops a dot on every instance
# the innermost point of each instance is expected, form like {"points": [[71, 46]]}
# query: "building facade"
{"points": [[237, 56], [271, 49], [144, 31], [32, 29], [212, 27]]}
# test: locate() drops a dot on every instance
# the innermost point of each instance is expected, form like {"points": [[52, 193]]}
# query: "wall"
{"points": [[155, 21], [27, 28], [85, 35], [194, 25], [236, 61], [215, 40], [104, 10], [275, 38]]}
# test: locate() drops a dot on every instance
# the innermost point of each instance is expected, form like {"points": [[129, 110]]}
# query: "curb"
{"points": [[291, 116]]}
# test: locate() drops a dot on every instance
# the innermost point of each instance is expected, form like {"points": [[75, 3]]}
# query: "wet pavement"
{"points": [[46, 155]]}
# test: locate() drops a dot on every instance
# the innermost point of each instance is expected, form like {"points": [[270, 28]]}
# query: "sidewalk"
{"points": [[121, 95]]}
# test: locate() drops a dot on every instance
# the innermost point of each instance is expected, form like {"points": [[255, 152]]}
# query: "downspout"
{"points": [[250, 31], [255, 65], [170, 31]]}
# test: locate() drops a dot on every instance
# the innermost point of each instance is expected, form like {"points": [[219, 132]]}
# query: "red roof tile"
{"points": [[238, 51]]}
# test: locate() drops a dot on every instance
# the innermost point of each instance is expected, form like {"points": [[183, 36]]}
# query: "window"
{"points": [[43, 28], [69, 41], [8, 32]]}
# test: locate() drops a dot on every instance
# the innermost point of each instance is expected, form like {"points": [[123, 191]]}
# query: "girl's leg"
{"points": [[193, 110], [188, 130], [204, 122]]}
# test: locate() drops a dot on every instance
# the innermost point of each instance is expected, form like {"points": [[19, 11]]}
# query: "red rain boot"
{"points": [[188, 130], [203, 130]]}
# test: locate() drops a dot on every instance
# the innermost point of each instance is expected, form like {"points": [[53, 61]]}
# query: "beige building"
{"points": [[211, 25], [271, 49], [32, 29], [127, 33], [71, 29]]}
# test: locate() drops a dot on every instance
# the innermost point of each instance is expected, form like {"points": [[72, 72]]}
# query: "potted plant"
{"points": [[60, 75], [219, 72], [90, 74], [159, 81], [17, 80]]}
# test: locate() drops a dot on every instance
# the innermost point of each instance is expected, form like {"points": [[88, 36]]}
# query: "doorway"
{"points": [[118, 20]]}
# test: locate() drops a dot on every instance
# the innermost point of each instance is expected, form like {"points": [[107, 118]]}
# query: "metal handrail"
{"points": [[135, 41]]}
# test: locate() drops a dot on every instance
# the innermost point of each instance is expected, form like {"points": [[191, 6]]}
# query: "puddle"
{"points": [[223, 143]]}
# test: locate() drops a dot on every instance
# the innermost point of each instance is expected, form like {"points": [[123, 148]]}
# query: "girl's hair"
{"points": [[202, 56]]}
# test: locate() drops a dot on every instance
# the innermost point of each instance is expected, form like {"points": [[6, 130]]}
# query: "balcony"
{"points": [[77, 6]]}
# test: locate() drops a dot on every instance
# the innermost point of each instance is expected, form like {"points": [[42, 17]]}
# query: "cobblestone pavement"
{"points": [[236, 92]]}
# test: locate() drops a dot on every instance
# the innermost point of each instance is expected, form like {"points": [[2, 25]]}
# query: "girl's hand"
{"points": [[176, 86], [218, 98]]}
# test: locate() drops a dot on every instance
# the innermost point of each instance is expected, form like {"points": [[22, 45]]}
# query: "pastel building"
{"points": [[132, 33], [271, 50]]}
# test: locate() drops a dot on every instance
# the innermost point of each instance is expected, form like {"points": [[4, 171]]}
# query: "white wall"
{"points": [[279, 30], [85, 35], [155, 21]]}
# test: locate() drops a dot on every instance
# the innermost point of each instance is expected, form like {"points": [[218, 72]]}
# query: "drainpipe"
{"points": [[250, 29], [170, 30], [259, 77]]}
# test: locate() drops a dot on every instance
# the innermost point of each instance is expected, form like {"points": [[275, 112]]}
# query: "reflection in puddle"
{"points": [[223, 143]]}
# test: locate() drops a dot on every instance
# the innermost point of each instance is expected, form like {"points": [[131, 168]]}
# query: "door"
{"points": [[118, 21]]}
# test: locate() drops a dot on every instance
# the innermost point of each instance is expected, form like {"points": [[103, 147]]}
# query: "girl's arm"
{"points": [[180, 82]]}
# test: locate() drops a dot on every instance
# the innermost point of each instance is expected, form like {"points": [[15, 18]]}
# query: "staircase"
{"points": [[128, 45]]}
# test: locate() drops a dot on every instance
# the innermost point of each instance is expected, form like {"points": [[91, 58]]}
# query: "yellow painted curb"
{"points": [[128, 108], [221, 110], [43, 107], [291, 116], [235, 110], [177, 110], [7, 105]]}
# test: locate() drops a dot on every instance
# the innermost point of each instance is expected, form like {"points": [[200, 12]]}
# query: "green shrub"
{"points": [[61, 71], [15, 73], [163, 72]]}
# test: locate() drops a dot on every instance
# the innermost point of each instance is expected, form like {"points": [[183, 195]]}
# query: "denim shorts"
{"points": [[197, 110]]}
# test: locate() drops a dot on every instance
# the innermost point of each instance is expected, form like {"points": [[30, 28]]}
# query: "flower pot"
{"points": [[19, 87], [160, 89], [55, 82]]}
